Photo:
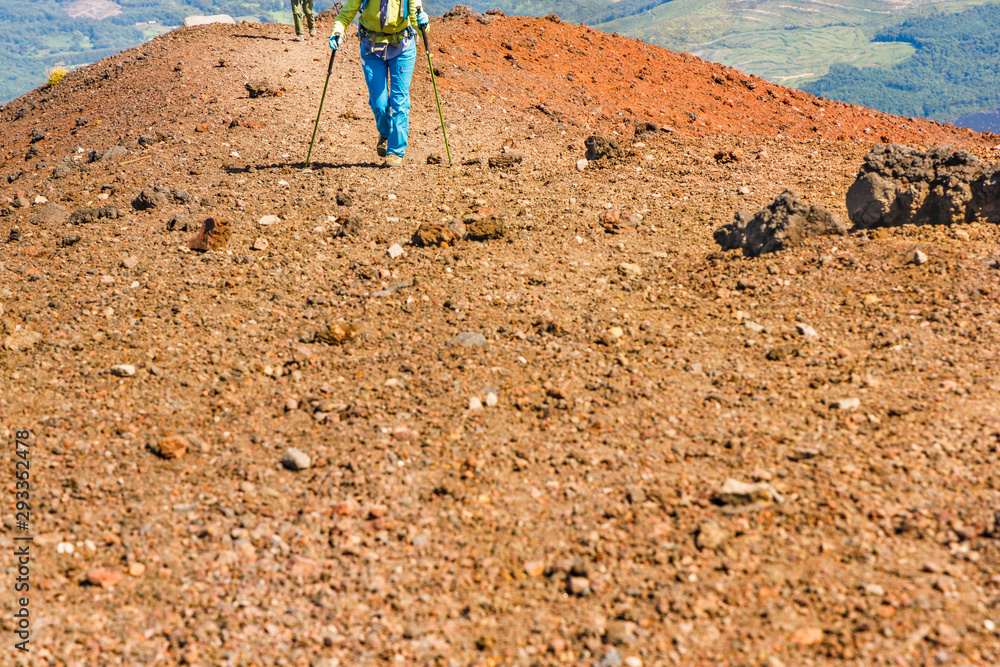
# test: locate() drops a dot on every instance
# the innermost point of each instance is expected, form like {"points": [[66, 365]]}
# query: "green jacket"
{"points": [[396, 21]]}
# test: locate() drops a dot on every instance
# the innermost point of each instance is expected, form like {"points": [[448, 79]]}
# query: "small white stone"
{"points": [[283, 183], [319, 230], [491, 399], [874, 590], [919, 257], [268, 220], [130, 262], [744, 190], [295, 459], [135, 283], [475, 404], [234, 154], [579, 239], [65, 547], [989, 625], [806, 330], [633, 661], [581, 164], [41, 200], [390, 197], [396, 250], [846, 404], [123, 370]]}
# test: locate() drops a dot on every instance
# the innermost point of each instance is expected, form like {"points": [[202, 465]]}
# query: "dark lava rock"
{"points": [[157, 197], [87, 215], [784, 223], [350, 225], [599, 148], [897, 185], [460, 12]]}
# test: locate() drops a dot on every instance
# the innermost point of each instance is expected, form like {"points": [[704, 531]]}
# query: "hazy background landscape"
{"points": [[920, 58]]}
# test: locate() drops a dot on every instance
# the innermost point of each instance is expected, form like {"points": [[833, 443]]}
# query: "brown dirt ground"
{"points": [[575, 521]]}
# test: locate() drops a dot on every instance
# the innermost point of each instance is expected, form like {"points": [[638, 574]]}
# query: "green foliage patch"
{"points": [[954, 69]]}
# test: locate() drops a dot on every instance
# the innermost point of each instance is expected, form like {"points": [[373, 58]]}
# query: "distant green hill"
{"points": [[955, 68]]}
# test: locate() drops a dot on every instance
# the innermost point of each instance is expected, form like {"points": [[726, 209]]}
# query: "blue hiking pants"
{"points": [[389, 95]]}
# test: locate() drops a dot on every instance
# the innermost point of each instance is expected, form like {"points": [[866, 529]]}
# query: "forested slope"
{"points": [[955, 69]]}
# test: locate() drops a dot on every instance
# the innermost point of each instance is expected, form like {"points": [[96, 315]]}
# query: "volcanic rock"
{"points": [[214, 235], [430, 234], [898, 185], [485, 229], [785, 223], [338, 333], [599, 148]]}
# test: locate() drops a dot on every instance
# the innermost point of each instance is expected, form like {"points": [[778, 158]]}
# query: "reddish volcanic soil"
{"points": [[320, 444]]}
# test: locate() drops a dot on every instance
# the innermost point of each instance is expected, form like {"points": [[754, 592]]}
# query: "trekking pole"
{"points": [[329, 71], [427, 49]]}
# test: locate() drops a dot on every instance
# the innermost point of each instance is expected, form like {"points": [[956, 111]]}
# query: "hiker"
{"points": [[300, 8], [388, 54]]}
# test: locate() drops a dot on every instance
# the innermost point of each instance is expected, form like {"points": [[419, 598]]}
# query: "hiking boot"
{"points": [[312, 32], [381, 146], [299, 38], [393, 161]]}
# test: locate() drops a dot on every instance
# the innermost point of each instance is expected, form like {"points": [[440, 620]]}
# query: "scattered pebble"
{"points": [[123, 370], [103, 578], [295, 459], [468, 339], [845, 404], [171, 447], [735, 492]]}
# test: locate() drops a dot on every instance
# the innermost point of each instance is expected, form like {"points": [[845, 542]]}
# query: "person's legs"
{"points": [[401, 74], [376, 76], [307, 6], [297, 16]]}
